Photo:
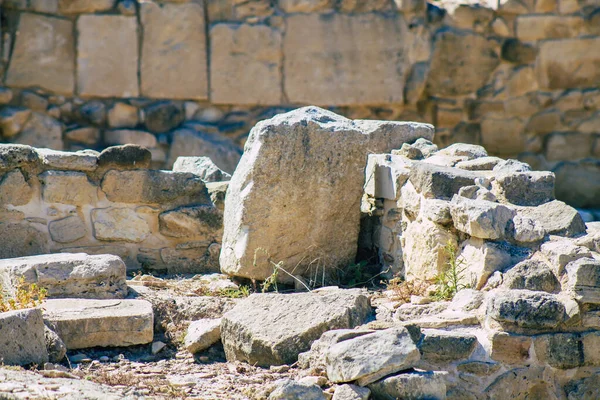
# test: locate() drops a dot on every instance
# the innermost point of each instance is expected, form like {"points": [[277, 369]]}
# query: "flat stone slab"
{"points": [[66, 275], [84, 323], [272, 329]]}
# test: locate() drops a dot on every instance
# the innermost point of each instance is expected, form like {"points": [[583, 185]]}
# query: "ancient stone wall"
{"points": [[108, 203], [191, 77]]}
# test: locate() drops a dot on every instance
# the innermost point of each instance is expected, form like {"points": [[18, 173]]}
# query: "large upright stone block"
{"points": [[173, 61], [107, 56], [296, 191], [569, 63], [345, 59], [43, 54], [245, 64]]}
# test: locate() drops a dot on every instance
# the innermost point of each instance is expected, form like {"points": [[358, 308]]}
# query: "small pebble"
{"points": [[104, 359]]}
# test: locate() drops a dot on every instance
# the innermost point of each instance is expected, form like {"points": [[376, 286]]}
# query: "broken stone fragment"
{"points": [[411, 385], [202, 334], [480, 218]]}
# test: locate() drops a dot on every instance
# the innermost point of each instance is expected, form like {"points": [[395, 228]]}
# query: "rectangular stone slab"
{"points": [[83, 323], [68, 275]]}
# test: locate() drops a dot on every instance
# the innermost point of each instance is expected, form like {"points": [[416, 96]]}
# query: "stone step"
{"points": [[66, 275], [84, 323]]}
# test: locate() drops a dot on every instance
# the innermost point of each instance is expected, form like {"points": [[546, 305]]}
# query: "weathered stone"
{"points": [[440, 346], [479, 164], [87, 135], [568, 146], [584, 389], [23, 337], [22, 239], [62, 160], [461, 63], [510, 349], [54, 346], [518, 310], [370, 357], [83, 323], [437, 211], [315, 357], [556, 218], [523, 383], [351, 392], [14, 189], [217, 191], [67, 230], [163, 116], [340, 71], [480, 218], [591, 345], [188, 142], [471, 151], [202, 334], [304, 6], [196, 258], [409, 151], [42, 131], [154, 187], [84, 6], [480, 259], [287, 389], [107, 56], [287, 323], [33, 101], [173, 61], [426, 147], [191, 221], [502, 136], [438, 182], [536, 27], [201, 166], [115, 224], [67, 188], [17, 155], [532, 275], [424, 250], [578, 184], [562, 252], [245, 52], [129, 156], [524, 188], [527, 230], [68, 275], [584, 279], [568, 63], [129, 136], [559, 350], [122, 115], [314, 143], [385, 174], [511, 166], [12, 120], [43, 54], [411, 385]]}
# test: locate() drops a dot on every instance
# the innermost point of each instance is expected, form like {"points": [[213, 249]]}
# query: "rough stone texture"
{"points": [[411, 385], [370, 357], [532, 275], [480, 259], [523, 383], [480, 218], [559, 350], [42, 131], [68, 275], [315, 357], [68, 188], [556, 218], [116, 224], [584, 279], [440, 346], [240, 54], [578, 184], [202, 334], [83, 323], [62, 160], [524, 188], [309, 150], [191, 221], [351, 392], [272, 329], [510, 349], [385, 174], [439, 182], [129, 156], [359, 63], [561, 252], [12, 120], [584, 389], [14, 189], [287, 389], [22, 239], [107, 56], [84, 6], [201, 166], [54, 345], [173, 61], [122, 115], [67, 230], [527, 230], [43, 54], [568, 63], [22, 333]]}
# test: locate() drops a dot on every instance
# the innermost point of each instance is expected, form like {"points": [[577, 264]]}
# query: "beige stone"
{"points": [[568, 146], [42, 131], [114, 224], [22, 239], [502, 136], [12, 120], [480, 260], [84, 323], [305, 6], [361, 62], [122, 115], [537, 27], [107, 56], [191, 260], [67, 188], [173, 61], [130, 136], [87, 135], [66, 160], [568, 63], [67, 230], [545, 122], [521, 81], [591, 349], [202, 334], [14, 189], [84, 6], [23, 334], [508, 348], [43, 55], [192, 221], [245, 64]]}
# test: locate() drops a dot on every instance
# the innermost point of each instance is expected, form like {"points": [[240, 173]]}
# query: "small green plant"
{"points": [[450, 278], [27, 296]]}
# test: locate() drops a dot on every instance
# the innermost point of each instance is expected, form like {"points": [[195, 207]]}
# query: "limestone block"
{"points": [[304, 6], [87, 135], [423, 250], [14, 189], [84, 323], [173, 61], [531, 275], [480, 218], [584, 280], [12, 120], [561, 252], [115, 224], [471, 151], [68, 275], [536, 27], [315, 357], [351, 392], [272, 329], [502, 136], [481, 259], [439, 346], [509, 349], [527, 230], [42, 131], [84, 6], [579, 183], [67, 230], [437, 211], [68, 188], [385, 175], [591, 349], [245, 64], [43, 54], [312, 150], [559, 350], [128, 156], [63, 160], [290, 389], [587, 388], [107, 56], [16, 156], [122, 115], [479, 164], [202, 334], [524, 188], [203, 221], [556, 218], [129, 136], [163, 116], [361, 62], [23, 334], [201, 166], [22, 239], [437, 182], [191, 258], [568, 63], [413, 384], [154, 187], [461, 63], [568, 146], [523, 383]]}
